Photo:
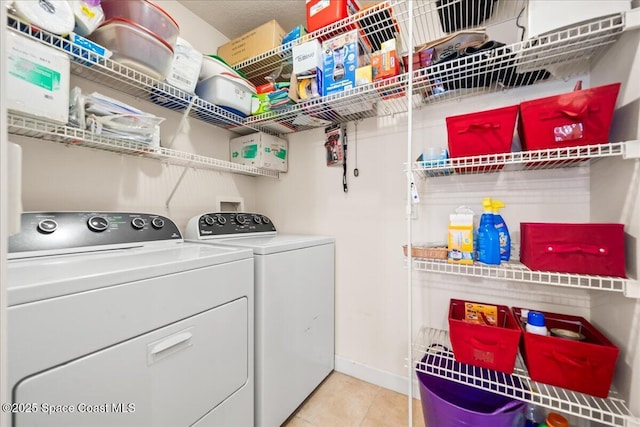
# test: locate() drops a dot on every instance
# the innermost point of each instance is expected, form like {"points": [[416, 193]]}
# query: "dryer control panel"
{"points": [[69, 232], [229, 224]]}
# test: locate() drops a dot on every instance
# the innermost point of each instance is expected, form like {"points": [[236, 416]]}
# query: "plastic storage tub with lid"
{"points": [[229, 91], [135, 47], [145, 14]]}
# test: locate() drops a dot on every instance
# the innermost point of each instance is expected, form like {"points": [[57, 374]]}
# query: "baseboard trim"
{"points": [[375, 376]]}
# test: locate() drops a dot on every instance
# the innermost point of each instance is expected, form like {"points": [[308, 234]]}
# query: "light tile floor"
{"points": [[344, 401]]}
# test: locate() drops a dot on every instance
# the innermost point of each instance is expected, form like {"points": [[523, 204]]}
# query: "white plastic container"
{"points": [[135, 47], [54, 16], [37, 79], [227, 90], [88, 16], [536, 323], [213, 65], [185, 66]]}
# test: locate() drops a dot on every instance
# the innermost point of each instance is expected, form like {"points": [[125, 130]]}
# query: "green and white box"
{"points": [[260, 150], [37, 79]]}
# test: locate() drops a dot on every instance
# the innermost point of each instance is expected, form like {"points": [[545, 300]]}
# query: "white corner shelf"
{"points": [[612, 411], [526, 160], [34, 128], [517, 272]]}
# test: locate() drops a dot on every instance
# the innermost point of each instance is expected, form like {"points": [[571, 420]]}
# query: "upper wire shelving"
{"points": [[564, 54], [612, 411]]}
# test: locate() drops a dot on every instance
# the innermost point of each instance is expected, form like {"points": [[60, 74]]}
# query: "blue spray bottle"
{"points": [[488, 238], [503, 231]]}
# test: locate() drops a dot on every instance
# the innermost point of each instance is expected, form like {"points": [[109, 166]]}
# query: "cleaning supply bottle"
{"points": [[536, 323], [503, 231], [534, 415], [488, 239]]}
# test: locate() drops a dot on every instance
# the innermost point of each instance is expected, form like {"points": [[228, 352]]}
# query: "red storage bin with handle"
{"points": [[482, 133], [585, 365], [581, 117], [596, 249], [493, 347], [321, 13]]}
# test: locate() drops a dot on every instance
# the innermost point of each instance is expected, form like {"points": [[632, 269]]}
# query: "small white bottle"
{"points": [[536, 323]]}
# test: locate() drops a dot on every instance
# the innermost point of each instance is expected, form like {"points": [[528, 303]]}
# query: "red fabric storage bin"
{"points": [[581, 117], [321, 13], [482, 133], [596, 249], [584, 366], [493, 347]]}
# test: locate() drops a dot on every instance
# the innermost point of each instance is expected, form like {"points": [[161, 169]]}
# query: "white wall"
{"points": [[615, 188]]}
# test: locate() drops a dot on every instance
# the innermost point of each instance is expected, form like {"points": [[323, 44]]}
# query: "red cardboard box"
{"points": [[581, 117], [585, 366], [596, 249], [321, 13], [493, 347], [481, 133]]}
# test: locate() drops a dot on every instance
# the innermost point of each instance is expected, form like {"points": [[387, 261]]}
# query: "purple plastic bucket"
{"points": [[449, 404]]}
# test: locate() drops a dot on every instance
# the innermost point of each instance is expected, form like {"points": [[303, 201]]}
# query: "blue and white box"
{"points": [[339, 63]]}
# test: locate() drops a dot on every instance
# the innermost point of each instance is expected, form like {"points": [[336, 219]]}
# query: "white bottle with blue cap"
{"points": [[536, 323]]}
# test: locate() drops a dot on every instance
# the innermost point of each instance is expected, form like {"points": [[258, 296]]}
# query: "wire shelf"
{"points": [[34, 128], [612, 411], [559, 55], [517, 272], [552, 158]]}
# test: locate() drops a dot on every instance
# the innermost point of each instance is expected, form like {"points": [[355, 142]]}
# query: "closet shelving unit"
{"points": [[565, 53]]}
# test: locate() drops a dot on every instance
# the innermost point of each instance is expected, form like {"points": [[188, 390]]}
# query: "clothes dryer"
{"points": [[294, 310], [114, 320]]}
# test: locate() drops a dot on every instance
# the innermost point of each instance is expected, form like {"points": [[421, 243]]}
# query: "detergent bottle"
{"points": [[503, 231], [488, 239]]}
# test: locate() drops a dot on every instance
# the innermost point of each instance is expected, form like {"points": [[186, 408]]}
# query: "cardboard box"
{"points": [[37, 79], [339, 63], [307, 57], [260, 150], [384, 63], [259, 40]]}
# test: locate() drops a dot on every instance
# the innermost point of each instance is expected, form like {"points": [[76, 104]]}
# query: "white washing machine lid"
{"points": [[265, 245], [39, 278]]}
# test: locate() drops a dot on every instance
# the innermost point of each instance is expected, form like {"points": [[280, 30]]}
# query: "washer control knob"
{"points": [[157, 223], [98, 223], [47, 226], [209, 220], [221, 219], [265, 219], [138, 223], [257, 219], [241, 219]]}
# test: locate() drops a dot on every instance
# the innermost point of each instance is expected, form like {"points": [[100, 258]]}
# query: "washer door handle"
{"points": [[168, 346]]}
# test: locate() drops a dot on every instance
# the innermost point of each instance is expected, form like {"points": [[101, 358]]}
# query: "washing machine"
{"points": [[294, 308], [113, 319]]}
